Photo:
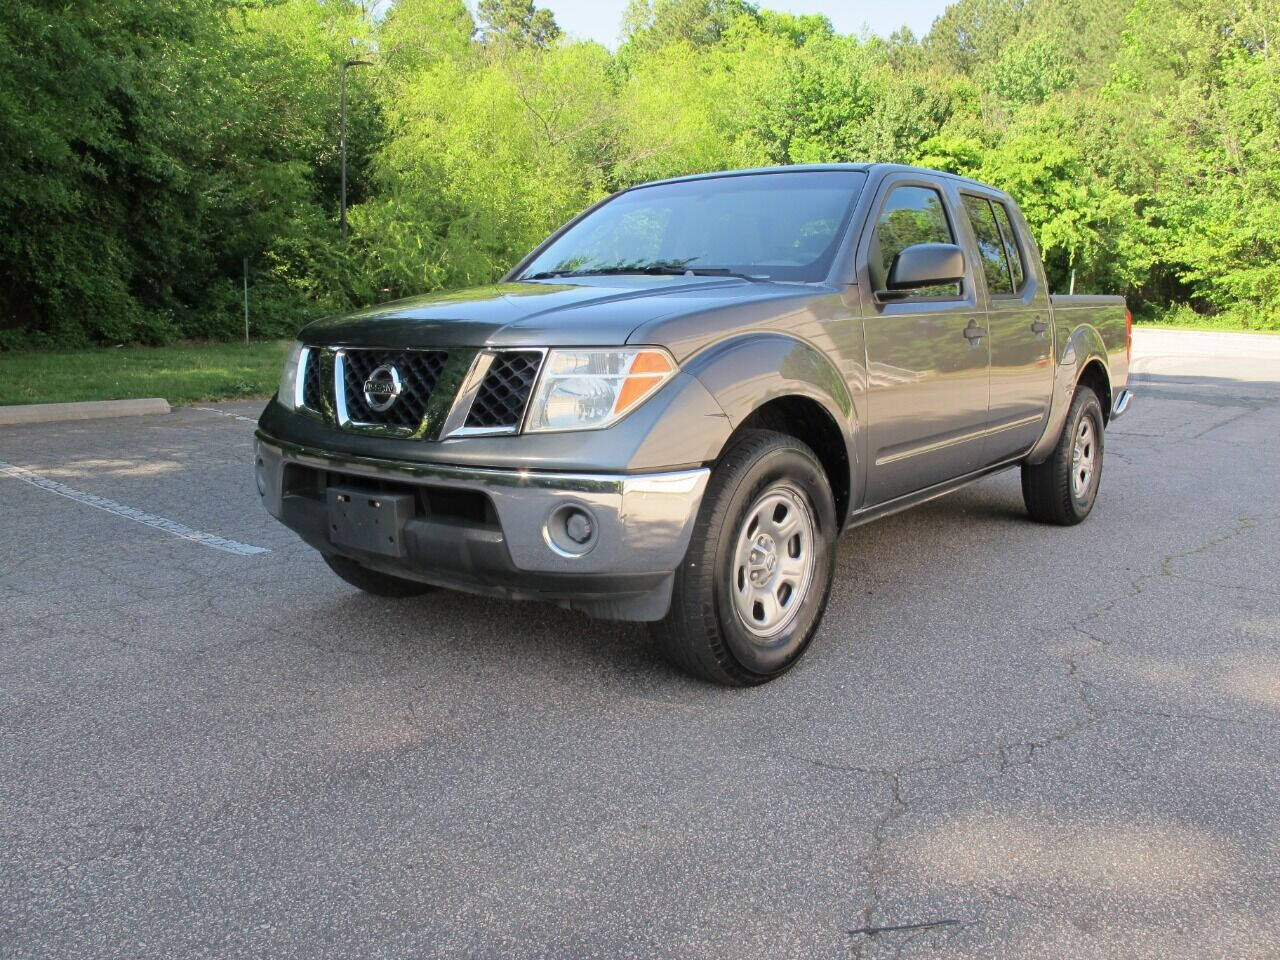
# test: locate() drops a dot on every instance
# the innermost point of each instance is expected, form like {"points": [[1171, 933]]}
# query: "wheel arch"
{"points": [[1082, 358], [782, 383], [1094, 376], [805, 419]]}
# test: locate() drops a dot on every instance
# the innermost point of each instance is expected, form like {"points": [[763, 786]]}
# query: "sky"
{"points": [[599, 19]]}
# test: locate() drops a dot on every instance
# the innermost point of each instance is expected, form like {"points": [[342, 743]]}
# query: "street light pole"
{"points": [[342, 135]]}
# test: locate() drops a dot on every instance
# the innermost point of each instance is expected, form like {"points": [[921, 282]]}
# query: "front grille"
{"points": [[419, 371], [504, 394], [313, 392]]}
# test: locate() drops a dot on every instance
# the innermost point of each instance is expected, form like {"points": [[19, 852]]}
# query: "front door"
{"points": [[927, 354], [1021, 333]]}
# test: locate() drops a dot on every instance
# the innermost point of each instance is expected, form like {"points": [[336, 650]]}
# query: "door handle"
{"points": [[1038, 326], [973, 332]]}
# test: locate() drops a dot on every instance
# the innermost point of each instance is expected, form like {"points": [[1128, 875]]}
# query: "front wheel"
{"points": [[754, 583], [1063, 488]]}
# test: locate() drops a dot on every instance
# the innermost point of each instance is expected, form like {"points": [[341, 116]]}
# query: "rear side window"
{"points": [[910, 215], [995, 263], [1011, 248]]}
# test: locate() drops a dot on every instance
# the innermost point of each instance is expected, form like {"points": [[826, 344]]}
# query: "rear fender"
{"points": [[1082, 346]]}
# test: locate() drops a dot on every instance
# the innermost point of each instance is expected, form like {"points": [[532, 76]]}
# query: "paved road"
{"points": [[1008, 740]]}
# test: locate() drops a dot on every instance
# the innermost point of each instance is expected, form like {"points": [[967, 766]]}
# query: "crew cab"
{"points": [[670, 410]]}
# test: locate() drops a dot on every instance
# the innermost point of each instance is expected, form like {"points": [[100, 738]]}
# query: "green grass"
{"points": [[1205, 327], [1225, 326], [1184, 318], [187, 373]]}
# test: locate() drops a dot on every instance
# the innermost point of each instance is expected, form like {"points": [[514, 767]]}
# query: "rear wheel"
{"points": [[1063, 488], [754, 583], [373, 581]]}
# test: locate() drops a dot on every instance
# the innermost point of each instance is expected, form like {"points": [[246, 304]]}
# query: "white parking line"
{"points": [[129, 513], [228, 414]]}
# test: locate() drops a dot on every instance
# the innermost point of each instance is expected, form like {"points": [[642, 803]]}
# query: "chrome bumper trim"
{"points": [[1123, 399], [644, 520]]}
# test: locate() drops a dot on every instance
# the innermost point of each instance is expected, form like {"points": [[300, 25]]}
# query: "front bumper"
{"points": [[641, 525]]}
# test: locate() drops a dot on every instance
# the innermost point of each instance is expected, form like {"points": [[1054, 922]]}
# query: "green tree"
{"points": [[649, 24], [1081, 223], [796, 29], [1202, 81], [417, 33], [518, 22], [95, 189], [484, 158], [152, 146], [1026, 73], [971, 34]]}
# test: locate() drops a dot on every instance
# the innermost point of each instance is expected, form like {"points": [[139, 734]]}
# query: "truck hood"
{"points": [[587, 311]]}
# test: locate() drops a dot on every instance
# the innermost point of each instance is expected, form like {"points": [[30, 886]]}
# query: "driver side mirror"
{"points": [[923, 265]]}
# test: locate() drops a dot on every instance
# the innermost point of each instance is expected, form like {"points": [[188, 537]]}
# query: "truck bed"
{"points": [[1107, 315]]}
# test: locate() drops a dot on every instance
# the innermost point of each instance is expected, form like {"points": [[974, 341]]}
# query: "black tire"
{"points": [[704, 633], [1054, 491], [373, 581]]}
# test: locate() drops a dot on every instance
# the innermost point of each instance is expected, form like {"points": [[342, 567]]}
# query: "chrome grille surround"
{"points": [[312, 393], [420, 372], [504, 393], [459, 392]]}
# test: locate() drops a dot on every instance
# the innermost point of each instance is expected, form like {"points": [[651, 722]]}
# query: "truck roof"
{"points": [[878, 168]]}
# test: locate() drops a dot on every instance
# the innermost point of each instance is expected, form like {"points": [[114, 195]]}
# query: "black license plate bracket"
{"points": [[369, 521]]}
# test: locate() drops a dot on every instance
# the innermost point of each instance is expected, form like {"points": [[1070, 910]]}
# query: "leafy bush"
{"points": [[151, 147]]}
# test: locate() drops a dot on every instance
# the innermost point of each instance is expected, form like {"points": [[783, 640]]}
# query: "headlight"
{"points": [[589, 389], [288, 394]]}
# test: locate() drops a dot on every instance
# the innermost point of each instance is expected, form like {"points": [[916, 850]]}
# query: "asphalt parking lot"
{"points": [[1009, 740]]}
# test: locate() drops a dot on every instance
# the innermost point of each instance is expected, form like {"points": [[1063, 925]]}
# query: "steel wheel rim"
{"points": [[773, 562], [1084, 454]]}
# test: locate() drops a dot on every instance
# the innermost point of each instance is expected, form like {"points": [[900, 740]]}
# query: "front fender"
{"points": [[746, 372], [1080, 347]]}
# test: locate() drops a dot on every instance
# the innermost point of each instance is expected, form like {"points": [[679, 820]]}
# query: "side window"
{"points": [[911, 215], [1011, 247], [995, 265]]}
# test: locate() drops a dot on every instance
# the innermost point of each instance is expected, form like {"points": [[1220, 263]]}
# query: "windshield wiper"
{"points": [[726, 272], [660, 270], [620, 270]]}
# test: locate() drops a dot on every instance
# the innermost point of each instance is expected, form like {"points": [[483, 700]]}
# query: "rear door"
{"points": [[927, 353], [1019, 323]]}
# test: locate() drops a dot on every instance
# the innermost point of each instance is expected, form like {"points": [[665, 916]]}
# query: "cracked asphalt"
{"points": [[1008, 740]]}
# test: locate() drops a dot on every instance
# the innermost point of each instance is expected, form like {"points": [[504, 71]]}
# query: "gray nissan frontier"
{"points": [[670, 409]]}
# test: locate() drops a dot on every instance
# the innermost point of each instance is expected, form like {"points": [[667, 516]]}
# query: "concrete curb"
{"points": [[90, 410]]}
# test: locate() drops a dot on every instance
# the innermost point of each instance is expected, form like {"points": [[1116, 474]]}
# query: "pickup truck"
{"points": [[670, 410]]}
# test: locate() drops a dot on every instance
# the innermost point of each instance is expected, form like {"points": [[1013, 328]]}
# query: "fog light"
{"points": [[260, 474], [578, 526], [571, 530]]}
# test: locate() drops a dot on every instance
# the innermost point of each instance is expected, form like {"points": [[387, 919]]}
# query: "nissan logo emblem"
{"points": [[382, 388]]}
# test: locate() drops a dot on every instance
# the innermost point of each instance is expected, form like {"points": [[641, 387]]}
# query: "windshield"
{"points": [[768, 226]]}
